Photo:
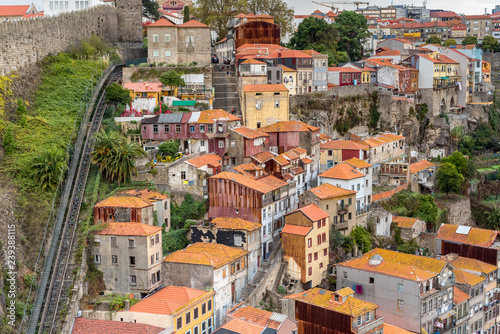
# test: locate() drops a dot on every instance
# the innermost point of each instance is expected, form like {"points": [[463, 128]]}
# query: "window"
{"points": [[167, 38], [424, 308], [177, 128], [345, 274], [156, 53], [325, 252], [166, 128], [114, 259], [233, 269], [350, 215], [221, 143], [202, 128], [203, 309], [310, 271], [191, 128], [224, 274], [114, 242], [367, 316], [358, 321], [155, 128], [323, 237], [131, 243], [209, 305], [157, 256], [157, 238], [321, 265], [319, 239], [152, 258], [132, 261], [315, 256], [237, 240], [97, 258], [97, 241], [151, 241], [309, 257], [179, 323], [189, 41], [188, 318], [372, 280], [195, 313], [400, 305], [276, 104], [133, 280], [210, 128], [155, 38], [400, 287]]}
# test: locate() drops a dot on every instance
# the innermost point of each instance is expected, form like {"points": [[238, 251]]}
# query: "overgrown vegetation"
{"points": [[409, 204]]}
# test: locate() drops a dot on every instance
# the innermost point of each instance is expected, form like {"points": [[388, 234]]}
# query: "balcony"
{"points": [[341, 226], [371, 325], [342, 209]]}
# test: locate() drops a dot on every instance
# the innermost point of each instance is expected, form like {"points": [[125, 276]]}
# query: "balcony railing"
{"points": [[342, 209], [341, 226]]}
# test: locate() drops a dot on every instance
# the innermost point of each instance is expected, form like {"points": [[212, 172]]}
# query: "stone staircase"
{"points": [[279, 277], [226, 89]]}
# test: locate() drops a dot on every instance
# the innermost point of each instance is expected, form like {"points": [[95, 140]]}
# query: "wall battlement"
{"points": [[25, 42]]}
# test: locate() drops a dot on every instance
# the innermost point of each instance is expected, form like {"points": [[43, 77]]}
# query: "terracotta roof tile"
{"points": [[252, 61], [391, 329], [193, 24], [388, 53], [150, 196], [420, 166], [170, 300], [296, 229], [343, 145], [289, 54], [233, 223], [474, 265], [358, 163], [263, 156], [344, 292], [447, 60], [212, 160], [256, 316], [312, 211], [207, 254], [210, 116], [464, 277], [289, 126], [130, 229], [299, 150], [242, 327], [328, 190], [476, 236], [307, 161], [404, 222], [123, 202], [344, 69], [245, 181], [273, 182], [459, 296], [14, 10], [144, 86], [249, 133], [95, 326], [323, 136], [163, 22], [342, 171], [286, 69], [265, 88], [323, 298]]}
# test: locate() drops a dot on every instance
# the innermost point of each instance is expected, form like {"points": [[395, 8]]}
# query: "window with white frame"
{"points": [[168, 53], [167, 38], [189, 41], [131, 243], [221, 144], [97, 258], [155, 38], [114, 259], [133, 280], [156, 53]]}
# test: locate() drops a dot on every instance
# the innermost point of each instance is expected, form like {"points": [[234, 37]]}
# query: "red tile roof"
{"points": [[252, 61], [447, 60], [129, 229], [265, 88], [459, 296], [420, 166], [94, 326], [123, 202], [476, 236], [388, 53], [444, 14], [233, 223], [404, 222], [476, 266], [263, 185], [250, 133], [207, 254], [212, 160], [193, 24], [210, 116], [256, 316], [146, 194], [477, 17], [14, 10], [170, 300], [289, 54], [343, 145], [391, 329], [263, 156], [342, 171], [344, 69], [144, 86], [296, 229], [358, 163], [163, 22], [242, 327], [289, 126], [313, 212], [464, 277], [325, 137], [327, 190]]}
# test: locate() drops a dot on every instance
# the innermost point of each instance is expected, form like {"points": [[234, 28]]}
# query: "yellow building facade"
{"points": [[263, 105]]}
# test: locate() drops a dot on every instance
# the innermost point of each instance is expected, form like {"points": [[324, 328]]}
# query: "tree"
{"points": [[150, 9], [409, 247], [218, 13], [433, 40], [449, 41], [352, 29], [172, 79], [189, 209], [469, 40], [278, 9], [449, 179], [490, 43], [169, 148], [456, 134], [493, 220], [186, 16], [426, 208], [362, 238], [116, 94], [458, 160], [48, 167], [8, 143]]}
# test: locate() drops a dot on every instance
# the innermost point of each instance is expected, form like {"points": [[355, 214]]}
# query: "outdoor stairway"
{"points": [[226, 89], [279, 277]]}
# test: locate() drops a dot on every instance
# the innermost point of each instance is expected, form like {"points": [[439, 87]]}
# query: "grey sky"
{"points": [[306, 6]]}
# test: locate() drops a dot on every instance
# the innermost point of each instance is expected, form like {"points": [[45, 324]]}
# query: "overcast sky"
{"points": [[306, 6]]}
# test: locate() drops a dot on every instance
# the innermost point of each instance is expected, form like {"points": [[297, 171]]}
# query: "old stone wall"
{"points": [[266, 282], [439, 100], [459, 212], [24, 42]]}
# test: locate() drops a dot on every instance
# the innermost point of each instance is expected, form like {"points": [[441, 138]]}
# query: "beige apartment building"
{"points": [[130, 257], [263, 105]]}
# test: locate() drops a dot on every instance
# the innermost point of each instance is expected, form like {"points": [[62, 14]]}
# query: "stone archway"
{"points": [[452, 102], [442, 108]]}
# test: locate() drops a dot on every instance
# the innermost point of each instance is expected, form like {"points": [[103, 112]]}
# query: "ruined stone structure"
{"points": [[25, 42]]}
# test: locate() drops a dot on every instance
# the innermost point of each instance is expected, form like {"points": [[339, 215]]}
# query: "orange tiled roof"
{"points": [[474, 265], [252, 61], [286, 69], [193, 24], [323, 298], [263, 156], [391, 329], [245, 181], [420, 166], [476, 236], [138, 229], [447, 60], [296, 229], [358, 163], [250, 133], [265, 88], [14, 10], [243, 327], [273, 182], [123, 202], [146, 194], [210, 116], [459, 296], [343, 145], [233, 223], [170, 300], [163, 22], [344, 69], [144, 86], [207, 254], [464, 277], [204, 160], [342, 171], [328, 190], [345, 292], [289, 126], [256, 316], [404, 222], [323, 136], [299, 150], [95, 326], [289, 54], [307, 161], [313, 212], [388, 53]]}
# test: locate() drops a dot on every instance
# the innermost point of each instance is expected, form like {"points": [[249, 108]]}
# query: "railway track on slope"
{"points": [[57, 293]]}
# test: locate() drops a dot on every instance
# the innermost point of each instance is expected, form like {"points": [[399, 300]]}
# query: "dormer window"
{"points": [[336, 298]]}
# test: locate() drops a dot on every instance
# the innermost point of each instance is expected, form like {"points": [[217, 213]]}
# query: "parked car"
{"points": [[215, 59], [227, 61]]}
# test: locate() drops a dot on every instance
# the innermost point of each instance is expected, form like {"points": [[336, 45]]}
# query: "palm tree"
{"points": [[104, 143], [494, 218], [456, 135], [47, 168], [122, 160]]}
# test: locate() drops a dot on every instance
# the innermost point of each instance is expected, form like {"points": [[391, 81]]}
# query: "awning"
{"points": [[446, 315], [445, 78]]}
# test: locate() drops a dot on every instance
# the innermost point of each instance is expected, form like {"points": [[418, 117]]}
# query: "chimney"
{"points": [[127, 305]]}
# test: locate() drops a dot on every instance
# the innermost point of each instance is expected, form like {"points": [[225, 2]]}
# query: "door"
{"points": [[233, 293]]}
